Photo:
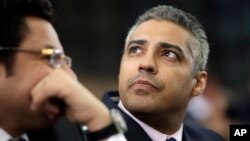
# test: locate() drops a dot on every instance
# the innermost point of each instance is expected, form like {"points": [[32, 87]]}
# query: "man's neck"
{"points": [[164, 123]]}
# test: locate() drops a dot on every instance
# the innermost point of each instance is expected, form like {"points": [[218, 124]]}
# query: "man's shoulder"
{"points": [[196, 132]]}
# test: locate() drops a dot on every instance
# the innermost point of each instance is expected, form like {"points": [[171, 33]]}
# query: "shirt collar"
{"points": [[155, 135], [4, 136]]}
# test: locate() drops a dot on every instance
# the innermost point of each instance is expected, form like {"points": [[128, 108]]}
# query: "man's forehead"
{"points": [[160, 31], [40, 34]]}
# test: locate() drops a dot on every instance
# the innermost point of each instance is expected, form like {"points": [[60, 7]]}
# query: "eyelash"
{"points": [[169, 54], [135, 49], [132, 48]]}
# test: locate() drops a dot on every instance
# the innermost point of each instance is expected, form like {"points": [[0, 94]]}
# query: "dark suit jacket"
{"points": [[136, 133], [62, 131]]}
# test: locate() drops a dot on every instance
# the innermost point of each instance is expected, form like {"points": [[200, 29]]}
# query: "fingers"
{"points": [[46, 90], [51, 110], [59, 93]]}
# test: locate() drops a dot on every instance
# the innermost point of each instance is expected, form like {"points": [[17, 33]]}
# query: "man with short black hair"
{"points": [[41, 99]]}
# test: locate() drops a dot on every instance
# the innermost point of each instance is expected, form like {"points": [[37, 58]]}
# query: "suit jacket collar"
{"points": [[135, 132]]}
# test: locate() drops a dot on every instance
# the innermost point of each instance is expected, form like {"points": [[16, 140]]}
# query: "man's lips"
{"points": [[144, 83]]}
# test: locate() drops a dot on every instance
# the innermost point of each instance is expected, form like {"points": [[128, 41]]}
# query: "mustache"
{"points": [[146, 77]]}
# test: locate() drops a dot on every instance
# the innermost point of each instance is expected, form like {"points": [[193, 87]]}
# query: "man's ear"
{"points": [[2, 73], [200, 81]]}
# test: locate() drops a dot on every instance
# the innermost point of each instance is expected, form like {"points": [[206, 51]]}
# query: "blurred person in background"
{"points": [[209, 109]]}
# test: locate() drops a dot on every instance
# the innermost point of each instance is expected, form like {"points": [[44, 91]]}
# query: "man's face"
{"points": [[27, 71], [156, 72]]}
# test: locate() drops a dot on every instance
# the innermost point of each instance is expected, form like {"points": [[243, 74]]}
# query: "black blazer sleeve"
{"points": [[63, 130]]}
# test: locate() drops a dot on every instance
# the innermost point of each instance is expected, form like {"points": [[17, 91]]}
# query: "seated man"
{"points": [[163, 67], [37, 85]]}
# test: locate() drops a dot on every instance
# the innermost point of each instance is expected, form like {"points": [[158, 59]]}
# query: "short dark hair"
{"points": [[13, 26]]}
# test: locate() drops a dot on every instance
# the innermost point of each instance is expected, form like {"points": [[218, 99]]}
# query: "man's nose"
{"points": [[148, 64]]}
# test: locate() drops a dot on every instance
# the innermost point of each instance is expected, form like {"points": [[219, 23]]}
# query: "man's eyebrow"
{"points": [[168, 45], [49, 46], [139, 42], [161, 44]]}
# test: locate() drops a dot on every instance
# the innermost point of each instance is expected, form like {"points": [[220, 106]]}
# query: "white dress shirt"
{"points": [[4, 136], [155, 135]]}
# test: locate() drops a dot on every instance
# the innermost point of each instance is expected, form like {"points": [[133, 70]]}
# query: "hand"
{"points": [[81, 106]]}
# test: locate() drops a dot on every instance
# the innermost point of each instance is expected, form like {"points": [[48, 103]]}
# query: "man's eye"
{"points": [[134, 50], [170, 54]]}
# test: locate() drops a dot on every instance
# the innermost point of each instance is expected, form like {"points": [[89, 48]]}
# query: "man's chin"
{"points": [[139, 108]]}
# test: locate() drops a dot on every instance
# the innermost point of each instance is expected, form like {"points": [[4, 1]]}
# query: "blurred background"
{"points": [[93, 33]]}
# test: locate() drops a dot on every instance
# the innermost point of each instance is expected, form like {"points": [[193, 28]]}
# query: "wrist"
{"points": [[116, 126], [99, 121]]}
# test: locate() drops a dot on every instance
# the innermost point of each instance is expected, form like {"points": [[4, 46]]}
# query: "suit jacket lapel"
{"points": [[135, 132], [185, 135]]}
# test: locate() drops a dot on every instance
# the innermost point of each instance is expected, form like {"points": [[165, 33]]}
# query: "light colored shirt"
{"points": [[4, 136], [155, 135]]}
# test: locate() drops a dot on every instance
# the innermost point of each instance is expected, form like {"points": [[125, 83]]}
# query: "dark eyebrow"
{"points": [[168, 45], [139, 42], [161, 45]]}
